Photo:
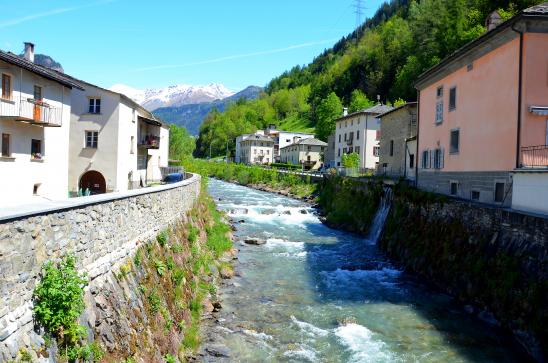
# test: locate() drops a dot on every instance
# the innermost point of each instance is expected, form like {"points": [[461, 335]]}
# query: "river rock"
{"points": [[303, 211], [226, 273], [254, 241], [218, 351], [287, 212], [208, 306], [217, 306], [268, 211]]}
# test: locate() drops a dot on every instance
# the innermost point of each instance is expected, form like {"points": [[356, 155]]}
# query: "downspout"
{"points": [[520, 91], [418, 155]]}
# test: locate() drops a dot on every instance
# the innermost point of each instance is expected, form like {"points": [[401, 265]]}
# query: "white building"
{"points": [[115, 144], [306, 152], [359, 132], [239, 139], [257, 149], [34, 129]]}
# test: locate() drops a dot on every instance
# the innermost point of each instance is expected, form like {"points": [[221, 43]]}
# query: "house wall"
{"points": [[397, 127], [19, 172], [251, 148], [486, 117], [367, 125], [535, 91], [127, 175], [105, 158], [529, 193]]}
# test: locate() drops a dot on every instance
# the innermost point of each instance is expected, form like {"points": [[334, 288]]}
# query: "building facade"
{"points": [[484, 110], [34, 129], [359, 132], [306, 152], [257, 149], [115, 144], [284, 138], [398, 147]]}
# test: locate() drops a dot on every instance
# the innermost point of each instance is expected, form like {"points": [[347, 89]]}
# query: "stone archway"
{"points": [[94, 181]]}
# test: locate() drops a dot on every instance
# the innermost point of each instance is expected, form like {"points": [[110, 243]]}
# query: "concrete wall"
{"points": [[100, 230], [20, 173], [530, 192]]}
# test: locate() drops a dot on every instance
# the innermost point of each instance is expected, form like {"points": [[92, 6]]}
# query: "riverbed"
{"points": [[314, 294]]}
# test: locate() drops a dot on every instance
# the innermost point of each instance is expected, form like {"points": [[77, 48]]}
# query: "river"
{"points": [[314, 294]]}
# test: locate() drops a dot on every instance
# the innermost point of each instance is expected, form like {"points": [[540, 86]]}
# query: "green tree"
{"points": [[351, 160], [359, 101], [181, 143], [328, 111]]}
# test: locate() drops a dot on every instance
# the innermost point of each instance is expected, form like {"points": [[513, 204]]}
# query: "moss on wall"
{"points": [[350, 204], [467, 251]]}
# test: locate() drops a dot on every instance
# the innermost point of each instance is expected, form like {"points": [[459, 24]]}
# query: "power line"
{"points": [[359, 8]]}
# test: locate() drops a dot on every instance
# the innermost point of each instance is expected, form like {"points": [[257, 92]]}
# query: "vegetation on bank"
{"points": [[468, 261], [382, 57], [350, 204], [171, 276], [252, 175]]}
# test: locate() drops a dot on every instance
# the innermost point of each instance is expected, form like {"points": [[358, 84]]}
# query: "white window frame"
{"points": [[94, 135], [94, 108]]}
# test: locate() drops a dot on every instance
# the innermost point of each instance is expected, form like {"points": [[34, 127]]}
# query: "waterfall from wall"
{"points": [[380, 218]]}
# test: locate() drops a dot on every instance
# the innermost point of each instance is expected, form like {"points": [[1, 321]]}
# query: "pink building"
{"points": [[483, 113]]}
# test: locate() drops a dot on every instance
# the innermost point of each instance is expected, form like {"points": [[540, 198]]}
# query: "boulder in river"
{"points": [[268, 211], [219, 351], [254, 241], [287, 212], [226, 273], [303, 211]]}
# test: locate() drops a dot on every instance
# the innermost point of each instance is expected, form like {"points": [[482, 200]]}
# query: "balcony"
{"points": [[350, 142], [534, 156], [32, 112], [150, 142]]}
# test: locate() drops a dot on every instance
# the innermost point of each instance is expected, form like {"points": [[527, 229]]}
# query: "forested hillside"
{"points": [[381, 58]]}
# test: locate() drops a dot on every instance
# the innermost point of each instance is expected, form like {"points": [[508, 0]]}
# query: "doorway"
{"points": [[94, 181]]}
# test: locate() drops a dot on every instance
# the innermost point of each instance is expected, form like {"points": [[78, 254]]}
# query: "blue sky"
{"points": [[158, 43]]}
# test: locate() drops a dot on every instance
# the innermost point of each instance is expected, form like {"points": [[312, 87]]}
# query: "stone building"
{"points": [[398, 145], [307, 152]]}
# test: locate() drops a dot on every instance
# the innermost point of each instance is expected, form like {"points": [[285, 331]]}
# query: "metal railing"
{"points": [[32, 111], [165, 170], [534, 156]]}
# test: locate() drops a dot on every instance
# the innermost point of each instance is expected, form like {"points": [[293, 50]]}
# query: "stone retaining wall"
{"points": [[100, 230]]}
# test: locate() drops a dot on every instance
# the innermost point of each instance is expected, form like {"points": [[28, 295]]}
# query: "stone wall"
{"points": [[491, 259], [100, 230]]}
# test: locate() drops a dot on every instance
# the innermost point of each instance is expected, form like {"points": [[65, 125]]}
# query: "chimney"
{"points": [[345, 111], [493, 20], [29, 52]]}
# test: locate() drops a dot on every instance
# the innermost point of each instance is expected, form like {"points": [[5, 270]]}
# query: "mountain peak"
{"points": [[174, 95]]}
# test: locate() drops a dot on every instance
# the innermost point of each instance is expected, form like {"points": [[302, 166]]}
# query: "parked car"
{"points": [[173, 178]]}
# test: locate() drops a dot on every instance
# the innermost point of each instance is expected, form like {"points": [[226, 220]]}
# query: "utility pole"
{"points": [[358, 10]]}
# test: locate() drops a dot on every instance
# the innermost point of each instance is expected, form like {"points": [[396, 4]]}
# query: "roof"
{"points": [[532, 12], [45, 72], [311, 141], [375, 110], [259, 138], [405, 105]]}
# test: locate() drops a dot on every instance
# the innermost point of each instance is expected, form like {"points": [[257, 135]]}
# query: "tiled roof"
{"points": [[259, 138], [375, 110], [39, 70], [311, 141], [537, 9], [408, 104]]}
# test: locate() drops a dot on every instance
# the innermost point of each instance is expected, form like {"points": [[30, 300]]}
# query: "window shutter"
{"points": [[431, 159], [442, 158]]}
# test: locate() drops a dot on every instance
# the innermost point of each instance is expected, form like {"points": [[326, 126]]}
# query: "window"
{"points": [[426, 159], [439, 92], [439, 112], [339, 137], [357, 150], [94, 105], [35, 189], [475, 195], [267, 152], [454, 188], [6, 152], [351, 136], [36, 149], [345, 136], [6, 86], [132, 142], [357, 135], [452, 98], [499, 192], [411, 161], [350, 150], [391, 147], [438, 159], [455, 136], [339, 153], [309, 148], [376, 150], [92, 139], [254, 151], [37, 93]]}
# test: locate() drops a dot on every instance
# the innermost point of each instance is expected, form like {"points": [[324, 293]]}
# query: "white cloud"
{"points": [[23, 19], [236, 56]]}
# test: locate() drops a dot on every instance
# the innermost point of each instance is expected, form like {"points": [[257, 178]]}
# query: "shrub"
{"points": [[154, 302], [162, 238], [160, 267], [59, 300]]}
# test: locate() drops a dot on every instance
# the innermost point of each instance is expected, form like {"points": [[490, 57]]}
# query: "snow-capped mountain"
{"points": [[174, 96]]}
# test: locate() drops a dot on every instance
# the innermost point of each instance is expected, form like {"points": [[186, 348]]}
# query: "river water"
{"points": [[314, 294]]}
